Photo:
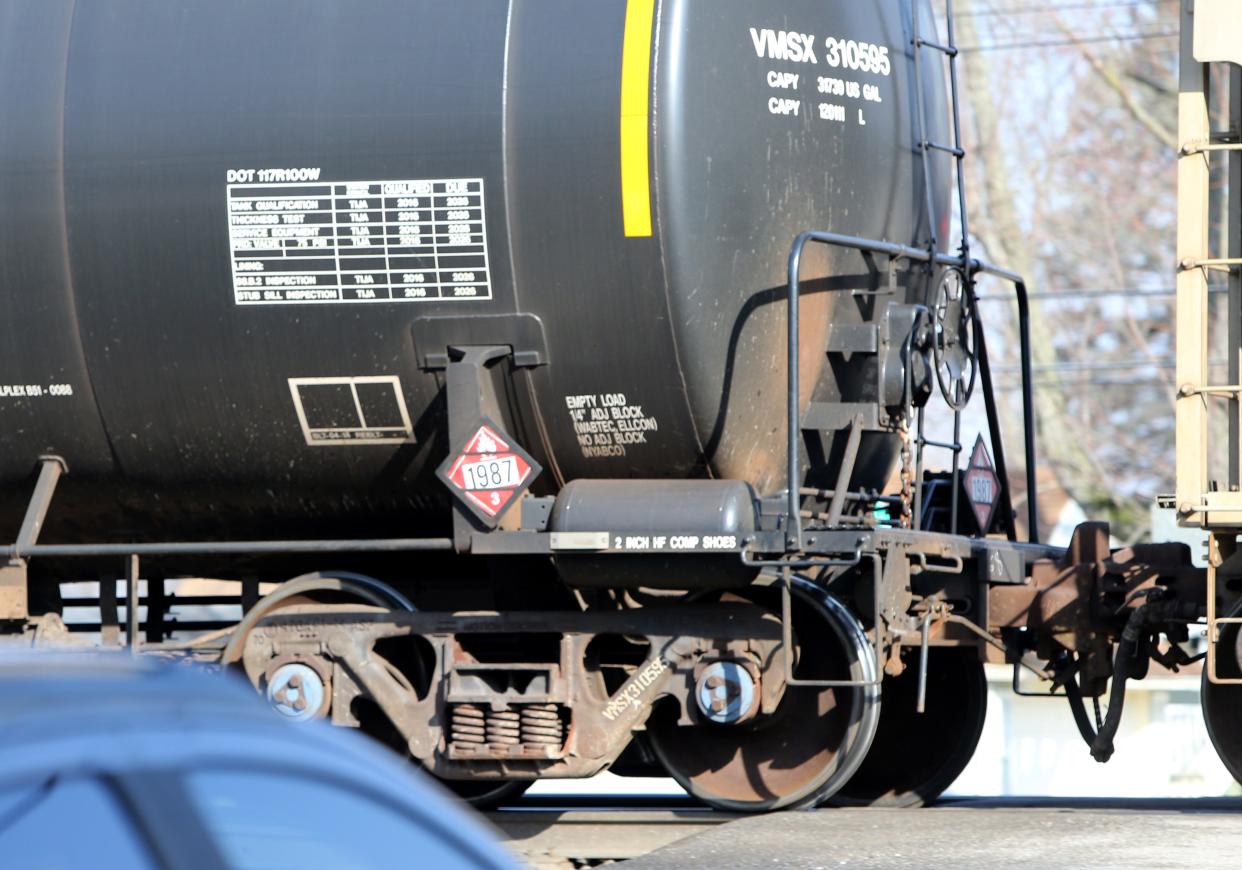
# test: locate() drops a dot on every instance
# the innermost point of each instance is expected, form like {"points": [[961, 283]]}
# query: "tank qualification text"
{"points": [[356, 241]]}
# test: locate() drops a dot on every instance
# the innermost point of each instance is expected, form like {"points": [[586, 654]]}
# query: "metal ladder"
{"points": [[925, 146]]}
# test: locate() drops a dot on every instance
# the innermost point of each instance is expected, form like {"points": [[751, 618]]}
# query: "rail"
{"points": [[232, 548], [52, 468], [609, 828]]}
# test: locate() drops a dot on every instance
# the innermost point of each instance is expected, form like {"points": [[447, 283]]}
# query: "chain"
{"points": [[907, 474]]}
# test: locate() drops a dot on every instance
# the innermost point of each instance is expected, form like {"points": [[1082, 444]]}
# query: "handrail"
{"points": [[220, 548], [793, 534], [1028, 408]]}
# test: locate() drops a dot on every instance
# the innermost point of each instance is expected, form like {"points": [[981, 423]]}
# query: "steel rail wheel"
{"points": [[1222, 704], [485, 794], [805, 750], [343, 586], [916, 756], [310, 589]]}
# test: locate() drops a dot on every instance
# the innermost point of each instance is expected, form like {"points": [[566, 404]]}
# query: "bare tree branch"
{"points": [[1113, 79]]}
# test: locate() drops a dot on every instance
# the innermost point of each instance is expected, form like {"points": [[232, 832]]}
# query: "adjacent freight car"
{"points": [[478, 325]]}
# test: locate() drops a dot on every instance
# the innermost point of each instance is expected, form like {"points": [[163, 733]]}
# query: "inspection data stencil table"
{"points": [[359, 241]]}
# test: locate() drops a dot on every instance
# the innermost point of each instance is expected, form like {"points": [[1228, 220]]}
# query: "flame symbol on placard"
{"points": [[486, 444]]}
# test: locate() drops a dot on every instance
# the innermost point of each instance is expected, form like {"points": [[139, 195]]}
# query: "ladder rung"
{"points": [[1198, 148], [950, 50], [946, 445], [947, 149], [1220, 264], [1190, 390]]}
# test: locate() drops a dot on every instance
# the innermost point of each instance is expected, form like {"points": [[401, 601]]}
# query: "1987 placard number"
{"points": [[499, 473]]}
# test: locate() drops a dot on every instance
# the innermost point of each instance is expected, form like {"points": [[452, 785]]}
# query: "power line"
{"points": [[1129, 292], [1163, 363], [1158, 293], [1109, 365], [1062, 384], [1053, 43], [1088, 379], [1060, 7]]}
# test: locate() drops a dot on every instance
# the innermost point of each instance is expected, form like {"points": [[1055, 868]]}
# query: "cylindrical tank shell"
{"points": [[220, 223]]}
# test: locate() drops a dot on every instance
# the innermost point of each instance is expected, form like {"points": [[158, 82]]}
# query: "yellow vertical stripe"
{"points": [[636, 117]]}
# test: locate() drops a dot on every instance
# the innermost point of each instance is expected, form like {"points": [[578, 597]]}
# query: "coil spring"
{"points": [[535, 724], [503, 728], [468, 724], [542, 725]]}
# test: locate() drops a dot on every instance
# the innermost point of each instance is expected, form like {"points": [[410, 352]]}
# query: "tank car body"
{"points": [[235, 241]]}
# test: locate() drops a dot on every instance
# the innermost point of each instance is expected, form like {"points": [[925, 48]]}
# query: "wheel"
{"points": [[916, 756], [340, 586], [953, 338], [1222, 704], [484, 794], [809, 746], [309, 589]]}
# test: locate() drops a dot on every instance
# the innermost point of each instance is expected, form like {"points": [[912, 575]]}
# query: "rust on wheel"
{"points": [[484, 794], [916, 756], [313, 588], [807, 748]]}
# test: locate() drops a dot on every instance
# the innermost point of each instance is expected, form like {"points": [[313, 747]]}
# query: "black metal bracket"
{"points": [[471, 396], [14, 580], [521, 334], [904, 373], [901, 381]]}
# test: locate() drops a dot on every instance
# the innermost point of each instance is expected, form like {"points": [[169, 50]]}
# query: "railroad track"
{"points": [[553, 832], [574, 832], [568, 833]]}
